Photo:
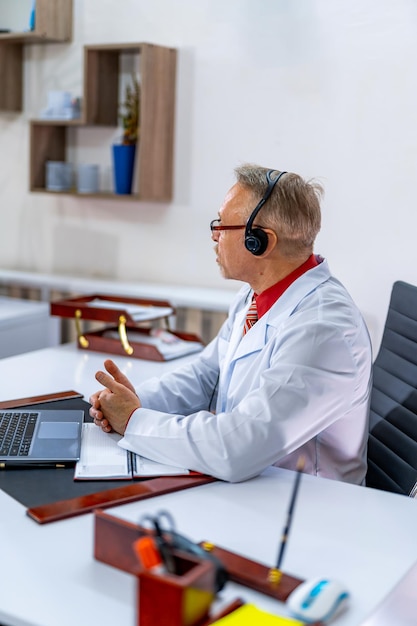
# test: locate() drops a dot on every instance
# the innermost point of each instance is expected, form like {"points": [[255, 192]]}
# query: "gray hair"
{"points": [[292, 210]]}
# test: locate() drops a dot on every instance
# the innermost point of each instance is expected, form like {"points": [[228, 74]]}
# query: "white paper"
{"points": [[146, 467], [140, 313], [168, 350], [103, 457], [100, 455]]}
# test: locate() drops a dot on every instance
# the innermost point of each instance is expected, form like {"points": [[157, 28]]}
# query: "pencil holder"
{"points": [[87, 178], [59, 176], [180, 599]]}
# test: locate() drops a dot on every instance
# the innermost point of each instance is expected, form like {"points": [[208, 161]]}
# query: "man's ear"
{"points": [[272, 242]]}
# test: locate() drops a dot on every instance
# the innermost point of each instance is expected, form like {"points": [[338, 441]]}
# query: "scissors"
{"points": [[168, 540], [162, 523]]}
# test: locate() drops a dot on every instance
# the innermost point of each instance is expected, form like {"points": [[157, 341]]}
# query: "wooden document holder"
{"points": [[117, 312], [113, 545]]}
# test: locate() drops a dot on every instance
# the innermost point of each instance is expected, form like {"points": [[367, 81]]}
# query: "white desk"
{"points": [[362, 536], [66, 367]]}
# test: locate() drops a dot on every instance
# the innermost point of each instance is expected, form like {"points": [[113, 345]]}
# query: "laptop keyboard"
{"points": [[16, 432]]}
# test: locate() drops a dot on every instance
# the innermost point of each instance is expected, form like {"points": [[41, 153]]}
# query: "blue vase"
{"points": [[123, 167], [32, 16]]}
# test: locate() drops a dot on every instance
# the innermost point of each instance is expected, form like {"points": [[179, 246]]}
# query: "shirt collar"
{"points": [[267, 298]]}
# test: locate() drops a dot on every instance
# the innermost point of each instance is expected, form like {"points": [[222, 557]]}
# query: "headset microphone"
{"points": [[256, 240]]}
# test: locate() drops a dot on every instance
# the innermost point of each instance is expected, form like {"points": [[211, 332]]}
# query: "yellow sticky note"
{"points": [[249, 614]]}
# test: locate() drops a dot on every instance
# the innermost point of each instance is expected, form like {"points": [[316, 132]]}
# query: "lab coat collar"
{"points": [[256, 338]]}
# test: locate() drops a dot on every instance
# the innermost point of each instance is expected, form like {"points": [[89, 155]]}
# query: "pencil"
{"points": [[275, 573]]}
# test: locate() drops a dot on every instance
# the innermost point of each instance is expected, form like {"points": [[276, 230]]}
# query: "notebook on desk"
{"points": [[40, 437]]}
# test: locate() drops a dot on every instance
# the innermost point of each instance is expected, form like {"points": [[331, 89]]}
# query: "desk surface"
{"points": [[364, 537], [66, 367]]}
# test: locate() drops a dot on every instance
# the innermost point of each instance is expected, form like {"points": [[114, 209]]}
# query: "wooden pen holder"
{"points": [[165, 600], [113, 545], [180, 599]]}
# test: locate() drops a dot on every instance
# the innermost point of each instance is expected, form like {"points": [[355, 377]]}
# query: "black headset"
{"points": [[256, 240]]}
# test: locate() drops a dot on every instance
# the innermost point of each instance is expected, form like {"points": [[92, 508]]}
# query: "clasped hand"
{"points": [[112, 407]]}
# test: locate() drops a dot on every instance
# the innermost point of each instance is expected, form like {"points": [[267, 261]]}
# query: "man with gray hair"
{"points": [[289, 373]]}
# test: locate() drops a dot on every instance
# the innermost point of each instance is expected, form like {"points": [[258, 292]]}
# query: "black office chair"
{"points": [[392, 446]]}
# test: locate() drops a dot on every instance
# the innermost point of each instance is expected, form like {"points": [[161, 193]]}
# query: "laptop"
{"points": [[40, 437]]}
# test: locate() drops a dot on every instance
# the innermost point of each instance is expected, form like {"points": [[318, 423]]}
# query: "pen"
{"points": [[275, 572]]}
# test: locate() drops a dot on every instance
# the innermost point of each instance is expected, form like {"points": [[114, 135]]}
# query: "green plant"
{"points": [[130, 113]]}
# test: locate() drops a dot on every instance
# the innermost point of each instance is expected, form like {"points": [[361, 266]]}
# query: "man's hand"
{"points": [[112, 407]]}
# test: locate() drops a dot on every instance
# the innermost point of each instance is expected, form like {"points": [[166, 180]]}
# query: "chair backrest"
{"points": [[392, 445]]}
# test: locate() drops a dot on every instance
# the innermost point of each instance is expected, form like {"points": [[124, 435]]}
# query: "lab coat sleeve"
{"points": [[192, 387], [189, 389]]}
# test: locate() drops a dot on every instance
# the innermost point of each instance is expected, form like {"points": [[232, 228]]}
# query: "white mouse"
{"points": [[317, 599]]}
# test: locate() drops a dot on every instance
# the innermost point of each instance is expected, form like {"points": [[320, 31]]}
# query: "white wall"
{"points": [[325, 88]]}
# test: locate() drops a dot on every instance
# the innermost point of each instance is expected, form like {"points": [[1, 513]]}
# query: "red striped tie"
{"points": [[251, 316]]}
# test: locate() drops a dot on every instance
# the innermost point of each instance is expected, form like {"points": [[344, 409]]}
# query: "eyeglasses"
{"points": [[215, 226]]}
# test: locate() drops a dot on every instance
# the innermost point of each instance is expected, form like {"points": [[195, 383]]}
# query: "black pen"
{"points": [[275, 572]]}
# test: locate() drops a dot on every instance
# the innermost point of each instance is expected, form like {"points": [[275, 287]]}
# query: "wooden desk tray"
{"points": [[84, 308], [115, 340], [125, 336], [114, 537]]}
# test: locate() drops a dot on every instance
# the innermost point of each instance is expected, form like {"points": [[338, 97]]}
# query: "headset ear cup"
{"points": [[257, 241]]}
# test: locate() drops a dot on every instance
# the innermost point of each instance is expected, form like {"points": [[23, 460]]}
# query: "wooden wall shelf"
{"points": [[53, 24], [102, 70]]}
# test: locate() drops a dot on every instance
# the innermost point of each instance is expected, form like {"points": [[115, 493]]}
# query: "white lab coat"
{"points": [[297, 383]]}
